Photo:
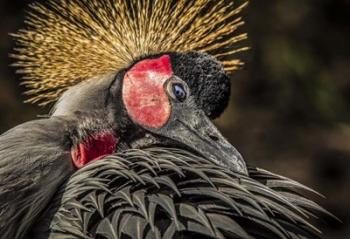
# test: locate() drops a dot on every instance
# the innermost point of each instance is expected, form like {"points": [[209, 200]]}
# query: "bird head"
{"points": [[165, 100], [156, 80]]}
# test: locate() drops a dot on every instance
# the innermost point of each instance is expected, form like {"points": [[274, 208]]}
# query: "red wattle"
{"points": [[94, 148]]}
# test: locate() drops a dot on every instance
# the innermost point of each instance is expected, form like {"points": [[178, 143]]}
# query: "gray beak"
{"points": [[191, 128]]}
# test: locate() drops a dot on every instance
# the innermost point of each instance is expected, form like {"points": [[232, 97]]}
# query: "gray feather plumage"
{"points": [[170, 193], [35, 159], [33, 163]]}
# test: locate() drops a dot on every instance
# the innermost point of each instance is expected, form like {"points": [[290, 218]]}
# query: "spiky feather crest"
{"points": [[69, 41]]}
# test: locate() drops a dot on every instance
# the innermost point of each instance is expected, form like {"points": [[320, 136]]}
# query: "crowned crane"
{"points": [[137, 84]]}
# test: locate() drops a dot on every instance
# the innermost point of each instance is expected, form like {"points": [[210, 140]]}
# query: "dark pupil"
{"points": [[179, 92]]}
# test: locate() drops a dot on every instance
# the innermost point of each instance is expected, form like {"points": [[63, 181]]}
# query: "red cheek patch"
{"points": [[94, 148], [143, 92]]}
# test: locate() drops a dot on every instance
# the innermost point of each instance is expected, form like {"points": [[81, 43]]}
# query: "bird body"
{"points": [[171, 193]]}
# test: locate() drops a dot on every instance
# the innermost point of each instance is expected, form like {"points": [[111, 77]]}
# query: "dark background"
{"points": [[290, 110]]}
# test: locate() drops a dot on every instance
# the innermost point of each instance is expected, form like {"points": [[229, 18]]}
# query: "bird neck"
{"points": [[94, 138]]}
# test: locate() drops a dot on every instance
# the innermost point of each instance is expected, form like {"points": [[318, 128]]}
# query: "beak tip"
{"points": [[234, 163], [241, 164]]}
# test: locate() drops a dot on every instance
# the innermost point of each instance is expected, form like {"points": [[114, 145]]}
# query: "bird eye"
{"points": [[179, 91]]}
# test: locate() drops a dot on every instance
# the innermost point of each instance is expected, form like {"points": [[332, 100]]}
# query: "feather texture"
{"points": [[34, 162], [171, 193]]}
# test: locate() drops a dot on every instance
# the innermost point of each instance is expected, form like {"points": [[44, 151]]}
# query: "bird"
{"points": [[135, 86]]}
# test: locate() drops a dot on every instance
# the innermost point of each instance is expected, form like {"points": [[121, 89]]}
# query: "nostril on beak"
{"points": [[214, 138]]}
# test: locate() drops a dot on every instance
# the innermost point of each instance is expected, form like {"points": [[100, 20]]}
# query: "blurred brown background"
{"points": [[290, 110]]}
